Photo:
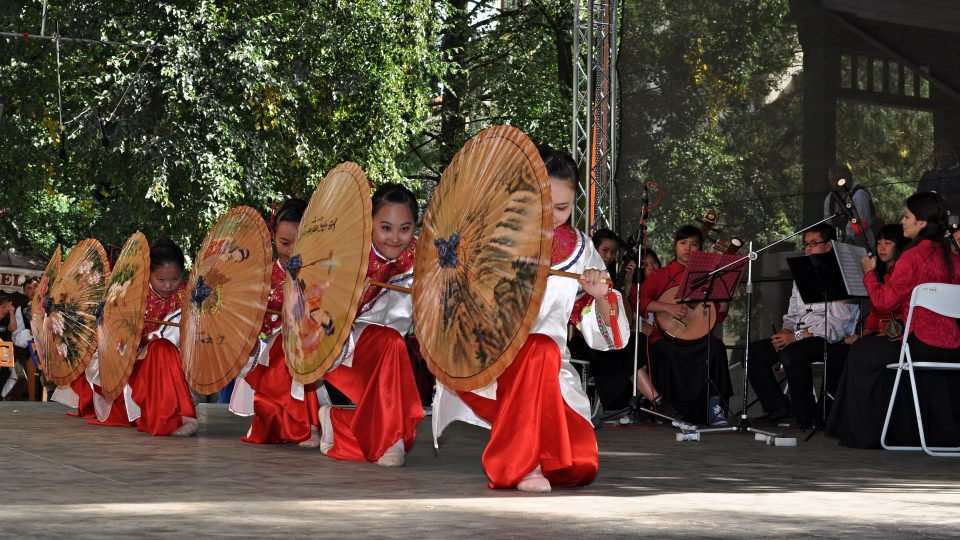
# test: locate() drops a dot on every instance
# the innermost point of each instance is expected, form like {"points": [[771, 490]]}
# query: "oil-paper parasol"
{"points": [[69, 321], [121, 320], [326, 273], [480, 270], [228, 286], [43, 294]]}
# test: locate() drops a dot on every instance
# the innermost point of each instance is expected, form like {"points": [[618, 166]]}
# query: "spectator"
{"points": [[22, 336], [9, 378]]}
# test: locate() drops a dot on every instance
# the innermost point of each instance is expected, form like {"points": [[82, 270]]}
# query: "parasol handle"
{"points": [[571, 275], [397, 288], [162, 323]]}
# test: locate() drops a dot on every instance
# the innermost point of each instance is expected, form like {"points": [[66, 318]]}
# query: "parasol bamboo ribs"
{"points": [[169, 323], [408, 290]]}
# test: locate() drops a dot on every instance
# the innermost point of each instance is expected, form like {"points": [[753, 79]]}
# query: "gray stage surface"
{"points": [[63, 478]]}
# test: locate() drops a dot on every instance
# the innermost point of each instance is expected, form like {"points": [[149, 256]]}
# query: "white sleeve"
{"points": [[21, 336], [596, 334], [794, 311], [599, 336]]}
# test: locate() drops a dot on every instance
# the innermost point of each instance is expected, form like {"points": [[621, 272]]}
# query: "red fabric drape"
{"points": [[382, 385], [118, 413], [82, 388], [532, 425], [160, 389], [278, 416]]}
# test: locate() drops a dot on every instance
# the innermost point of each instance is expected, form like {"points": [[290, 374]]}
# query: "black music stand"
{"points": [[710, 277], [823, 278]]}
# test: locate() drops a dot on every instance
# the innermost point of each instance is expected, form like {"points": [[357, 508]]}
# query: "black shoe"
{"points": [[666, 409], [772, 418]]}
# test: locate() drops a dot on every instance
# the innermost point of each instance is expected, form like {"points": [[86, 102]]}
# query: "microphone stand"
{"points": [[634, 409], [849, 208], [743, 424]]}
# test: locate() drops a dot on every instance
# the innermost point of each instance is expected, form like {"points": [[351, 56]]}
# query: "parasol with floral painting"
{"points": [[68, 322], [43, 294], [122, 315]]}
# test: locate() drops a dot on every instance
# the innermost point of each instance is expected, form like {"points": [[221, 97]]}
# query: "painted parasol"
{"points": [[122, 315], [327, 273], [479, 276], [69, 327], [37, 312], [229, 286]]}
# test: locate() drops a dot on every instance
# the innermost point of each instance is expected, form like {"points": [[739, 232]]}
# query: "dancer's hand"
{"points": [[595, 282]]}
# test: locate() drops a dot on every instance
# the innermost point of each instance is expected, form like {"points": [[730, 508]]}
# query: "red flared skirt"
{"points": [[81, 387], [532, 424], [381, 383], [278, 417], [118, 413], [160, 389]]}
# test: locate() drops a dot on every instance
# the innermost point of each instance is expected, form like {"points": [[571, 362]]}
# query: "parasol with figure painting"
{"points": [[229, 286]]}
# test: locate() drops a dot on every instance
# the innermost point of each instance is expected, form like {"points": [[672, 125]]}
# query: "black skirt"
{"points": [[863, 396], [680, 374]]}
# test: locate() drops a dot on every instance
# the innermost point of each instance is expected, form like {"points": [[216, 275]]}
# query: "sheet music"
{"points": [[848, 257]]}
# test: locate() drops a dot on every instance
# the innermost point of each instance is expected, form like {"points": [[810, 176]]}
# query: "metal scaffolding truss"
{"points": [[594, 126]]}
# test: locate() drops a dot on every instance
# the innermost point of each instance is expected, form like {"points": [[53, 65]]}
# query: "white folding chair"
{"points": [[942, 299]]}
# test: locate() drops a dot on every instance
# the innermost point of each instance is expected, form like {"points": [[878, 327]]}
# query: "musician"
{"points": [[611, 370], [541, 433], [374, 370], [866, 384], [679, 369], [850, 232], [278, 416], [944, 177], [797, 345], [890, 245]]}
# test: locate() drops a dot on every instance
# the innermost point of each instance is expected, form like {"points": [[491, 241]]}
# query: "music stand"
{"points": [[710, 277], [828, 277]]}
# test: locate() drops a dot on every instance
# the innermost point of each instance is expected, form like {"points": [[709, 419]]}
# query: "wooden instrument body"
{"points": [[699, 321]]}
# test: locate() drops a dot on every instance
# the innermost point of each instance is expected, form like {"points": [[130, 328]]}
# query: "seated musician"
{"points": [[612, 369], [890, 245], [680, 368], [797, 345]]}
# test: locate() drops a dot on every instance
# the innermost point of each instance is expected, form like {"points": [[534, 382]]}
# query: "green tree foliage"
{"points": [[699, 117], [245, 103], [508, 63], [888, 149]]}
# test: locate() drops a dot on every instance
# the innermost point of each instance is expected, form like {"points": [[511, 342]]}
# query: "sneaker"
{"points": [[718, 416]]}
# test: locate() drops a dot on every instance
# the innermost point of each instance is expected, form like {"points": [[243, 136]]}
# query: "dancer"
{"points": [[541, 434], [374, 370], [278, 416]]}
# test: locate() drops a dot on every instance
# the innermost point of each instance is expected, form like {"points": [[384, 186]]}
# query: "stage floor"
{"points": [[63, 478]]}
